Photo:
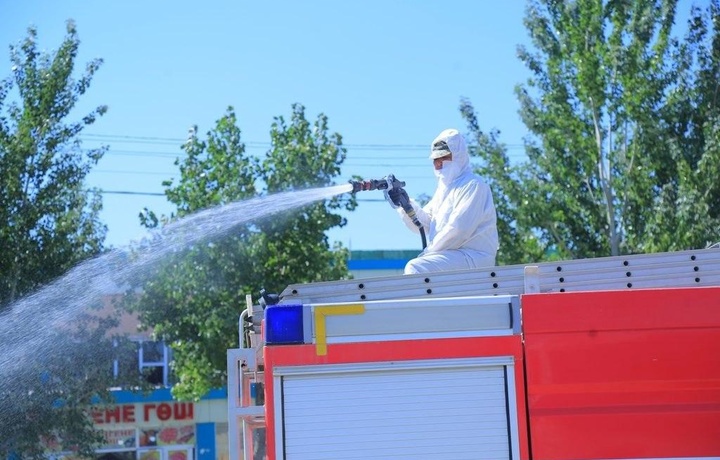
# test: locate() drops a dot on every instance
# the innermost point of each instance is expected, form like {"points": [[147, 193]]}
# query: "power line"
{"points": [[127, 192], [350, 163], [141, 153], [144, 138], [396, 166], [255, 144], [349, 170], [148, 153], [143, 173]]}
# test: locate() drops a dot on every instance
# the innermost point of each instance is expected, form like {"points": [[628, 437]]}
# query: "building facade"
{"points": [[371, 264], [157, 427]]}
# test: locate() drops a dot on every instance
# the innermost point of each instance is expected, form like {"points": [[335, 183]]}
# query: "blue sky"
{"points": [[389, 74]]}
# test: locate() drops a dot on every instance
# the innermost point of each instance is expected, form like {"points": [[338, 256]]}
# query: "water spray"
{"points": [[386, 184]]}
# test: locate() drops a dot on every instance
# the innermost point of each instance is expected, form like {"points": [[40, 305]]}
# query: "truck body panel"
{"points": [[426, 376], [446, 373], [608, 358], [623, 374]]}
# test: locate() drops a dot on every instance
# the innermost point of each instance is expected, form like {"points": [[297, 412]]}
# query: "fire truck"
{"points": [[603, 358]]}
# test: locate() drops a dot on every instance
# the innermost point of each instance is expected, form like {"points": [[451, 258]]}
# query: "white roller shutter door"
{"points": [[431, 412]]}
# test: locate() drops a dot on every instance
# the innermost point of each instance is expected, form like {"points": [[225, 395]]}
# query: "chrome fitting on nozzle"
{"points": [[386, 183]]}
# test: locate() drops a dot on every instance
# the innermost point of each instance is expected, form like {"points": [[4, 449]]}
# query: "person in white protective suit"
{"points": [[460, 219]]}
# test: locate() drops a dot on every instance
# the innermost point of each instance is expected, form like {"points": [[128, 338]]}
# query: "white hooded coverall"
{"points": [[460, 220]]}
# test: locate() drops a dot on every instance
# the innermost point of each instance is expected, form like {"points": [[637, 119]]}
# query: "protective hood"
{"points": [[447, 142]]}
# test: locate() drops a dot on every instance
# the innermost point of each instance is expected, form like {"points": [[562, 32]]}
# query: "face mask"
{"points": [[450, 170]]}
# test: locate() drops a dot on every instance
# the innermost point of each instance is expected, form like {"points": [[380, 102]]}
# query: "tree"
{"points": [[195, 299], [690, 203], [46, 215], [606, 161], [517, 243], [53, 362]]}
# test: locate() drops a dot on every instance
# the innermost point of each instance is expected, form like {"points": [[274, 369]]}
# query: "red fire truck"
{"points": [[606, 358]]}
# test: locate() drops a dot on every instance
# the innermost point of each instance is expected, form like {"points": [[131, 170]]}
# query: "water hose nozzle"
{"points": [[388, 183], [385, 183]]}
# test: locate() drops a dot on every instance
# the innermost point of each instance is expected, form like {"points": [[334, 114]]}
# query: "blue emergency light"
{"points": [[284, 324]]}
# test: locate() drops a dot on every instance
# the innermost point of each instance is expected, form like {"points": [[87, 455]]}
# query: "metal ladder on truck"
{"points": [[670, 269], [246, 416], [246, 404]]}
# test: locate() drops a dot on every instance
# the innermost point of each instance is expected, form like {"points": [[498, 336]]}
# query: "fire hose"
{"points": [[387, 184]]}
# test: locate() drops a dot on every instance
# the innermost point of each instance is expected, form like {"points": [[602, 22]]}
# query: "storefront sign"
{"points": [[167, 436], [119, 438], [148, 412]]}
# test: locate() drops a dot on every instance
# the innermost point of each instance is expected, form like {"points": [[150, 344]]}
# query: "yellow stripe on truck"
{"points": [[320, 328]]}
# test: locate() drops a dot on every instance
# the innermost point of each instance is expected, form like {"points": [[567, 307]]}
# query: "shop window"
{"points": [[125, 360], [154, 362], [127, 455], [150, 358], [221, 441]]}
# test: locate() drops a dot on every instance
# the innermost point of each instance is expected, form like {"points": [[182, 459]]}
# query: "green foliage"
{"points": [[48, 224], [621, 116], [518, 244], [295, 249], [46, 216], [196, 298], [689, 201]]}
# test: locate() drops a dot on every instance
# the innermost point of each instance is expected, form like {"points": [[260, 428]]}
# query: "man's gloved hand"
{"points": [[397, 197], [389, 200]]}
